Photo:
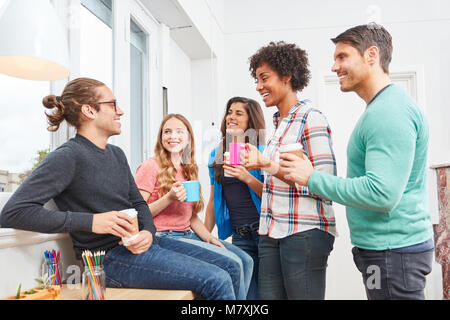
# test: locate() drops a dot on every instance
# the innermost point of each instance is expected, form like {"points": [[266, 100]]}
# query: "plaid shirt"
{"points": [[286, 210]]}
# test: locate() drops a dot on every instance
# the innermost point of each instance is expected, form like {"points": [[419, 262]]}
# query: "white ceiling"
{"points": [[247, 16], [182, 30], [168, 12], [259, 16]]}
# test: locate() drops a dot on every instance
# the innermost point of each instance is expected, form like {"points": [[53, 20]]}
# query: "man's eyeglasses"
{"points": [[114, 103]]}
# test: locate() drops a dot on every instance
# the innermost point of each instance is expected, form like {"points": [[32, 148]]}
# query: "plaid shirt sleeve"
{"points": [[316, 140]]}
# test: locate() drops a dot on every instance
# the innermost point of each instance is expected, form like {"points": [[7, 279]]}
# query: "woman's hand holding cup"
{"points": [[239, 172], [177, 192], [254, 160]]}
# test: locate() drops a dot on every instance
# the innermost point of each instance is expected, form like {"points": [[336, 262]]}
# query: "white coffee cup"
{"points": [[294, 148], [133, 214], [226, 156]]}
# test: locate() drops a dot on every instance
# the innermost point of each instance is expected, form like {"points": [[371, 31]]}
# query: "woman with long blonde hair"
{"points": [[159, 180]]}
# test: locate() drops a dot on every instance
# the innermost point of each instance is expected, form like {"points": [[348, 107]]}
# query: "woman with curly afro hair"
{"points": [[297, 228]]}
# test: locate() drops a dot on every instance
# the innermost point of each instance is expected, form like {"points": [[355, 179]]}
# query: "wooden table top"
{"points": [[74, 293]]}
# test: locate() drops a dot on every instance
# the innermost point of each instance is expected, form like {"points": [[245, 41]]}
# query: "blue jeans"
{"points": [[294, 267], [173, 265], [239, 256], [393, 275], [249, 243]]}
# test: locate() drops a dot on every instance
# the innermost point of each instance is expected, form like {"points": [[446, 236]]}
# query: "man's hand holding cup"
{"points": [[295, 166]]}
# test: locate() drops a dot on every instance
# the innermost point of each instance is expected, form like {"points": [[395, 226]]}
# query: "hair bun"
{"points": [[54, 119], [51, 101]]}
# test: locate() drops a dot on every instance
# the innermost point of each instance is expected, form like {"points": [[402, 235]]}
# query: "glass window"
{"points": [[102, 9], [2, 3], [96, 47], [24, 128], [139, 89]]}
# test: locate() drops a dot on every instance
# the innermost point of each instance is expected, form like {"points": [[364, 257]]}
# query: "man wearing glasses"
{"points": [[91, 184]]}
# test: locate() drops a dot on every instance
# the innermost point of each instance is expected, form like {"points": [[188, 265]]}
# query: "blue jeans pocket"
{"points": [[365, 259], [357, 260], [416, 266]]}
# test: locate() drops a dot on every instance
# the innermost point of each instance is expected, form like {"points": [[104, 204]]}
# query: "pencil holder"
{"points": [[94, 283], [52, 273]]}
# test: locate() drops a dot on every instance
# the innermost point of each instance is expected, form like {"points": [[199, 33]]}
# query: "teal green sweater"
{"points": [[386, 187]]}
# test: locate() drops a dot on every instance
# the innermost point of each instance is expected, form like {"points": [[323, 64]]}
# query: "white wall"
{"points": [[22, 256], [179, 81], [208, 16], [196, 87]]}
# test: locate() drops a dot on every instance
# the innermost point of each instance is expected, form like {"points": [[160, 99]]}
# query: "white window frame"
{"points": [[152, 111], [145, 82]]}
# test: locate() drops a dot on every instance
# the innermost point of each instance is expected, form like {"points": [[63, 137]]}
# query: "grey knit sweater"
{"points": [[83, 180]]}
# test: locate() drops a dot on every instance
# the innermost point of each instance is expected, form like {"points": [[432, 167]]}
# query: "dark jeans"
{"points": [[249, 244], [391, 275], [174, 265], [294, 267]]}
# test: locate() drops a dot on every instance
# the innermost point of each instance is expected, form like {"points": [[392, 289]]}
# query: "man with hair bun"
{"points": [[385, 191], [91, 183]]}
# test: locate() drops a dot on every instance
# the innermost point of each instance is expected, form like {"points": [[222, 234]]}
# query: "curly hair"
{"points": [[286, 59]]}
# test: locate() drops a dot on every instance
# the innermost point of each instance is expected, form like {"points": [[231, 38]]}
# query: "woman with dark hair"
{"points": [[235, 197], [297, 228]]}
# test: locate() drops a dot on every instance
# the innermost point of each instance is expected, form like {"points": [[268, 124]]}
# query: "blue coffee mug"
{"points": [[192, 191]]}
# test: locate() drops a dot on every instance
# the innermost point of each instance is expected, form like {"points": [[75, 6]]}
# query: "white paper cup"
{"points": [[132, 213], [295, 148], [127, 240], [226, 155]]}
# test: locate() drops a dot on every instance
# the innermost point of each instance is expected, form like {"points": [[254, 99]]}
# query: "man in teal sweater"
{"points": [[385, 190]]}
